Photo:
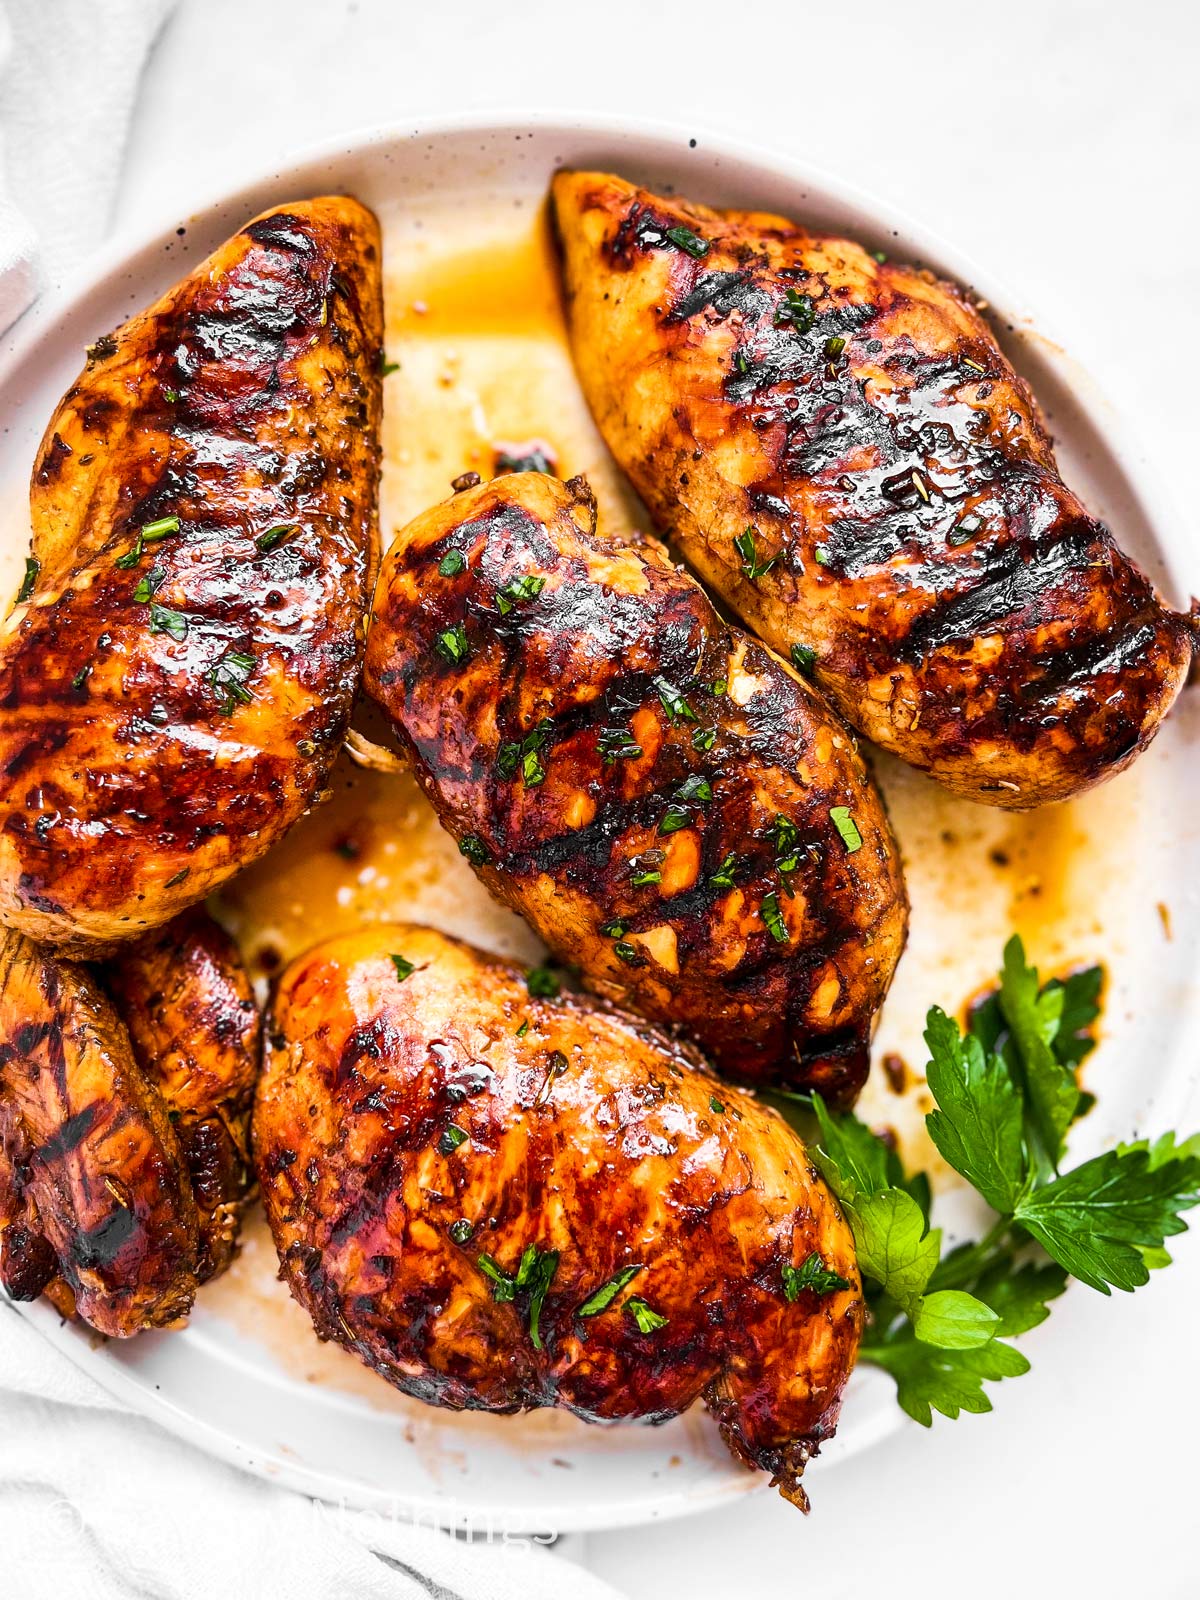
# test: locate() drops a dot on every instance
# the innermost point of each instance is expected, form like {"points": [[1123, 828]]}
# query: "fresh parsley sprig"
{"points": [[1006, 1094]]}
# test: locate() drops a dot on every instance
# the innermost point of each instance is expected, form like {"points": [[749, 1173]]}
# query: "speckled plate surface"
{"points": [[473, 321]]}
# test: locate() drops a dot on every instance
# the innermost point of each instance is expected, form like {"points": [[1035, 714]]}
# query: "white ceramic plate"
{"points": [[1105, 878]]}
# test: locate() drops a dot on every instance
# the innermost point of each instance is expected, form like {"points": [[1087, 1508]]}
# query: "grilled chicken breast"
{"points": [[177, 677], [673, 810], [500, 1202], [187, 1003], [853, 423], [124, 1113]]}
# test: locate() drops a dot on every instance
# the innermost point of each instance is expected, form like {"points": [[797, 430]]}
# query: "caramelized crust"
{"points": [[173, 692], [858, 416], [124, 1161], [415, 1129], [679, 845]]}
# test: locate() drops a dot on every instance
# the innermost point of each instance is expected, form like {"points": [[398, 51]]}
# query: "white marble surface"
{"points": [[1059, 143]]}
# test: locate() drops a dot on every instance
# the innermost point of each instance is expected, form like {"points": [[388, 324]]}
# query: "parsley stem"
{"points": [[956, 1270]]}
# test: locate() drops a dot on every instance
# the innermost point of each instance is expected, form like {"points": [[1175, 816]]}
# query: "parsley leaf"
{"points": [[893, 1245], [1097, 1219], [954, 1320], [1050, 1090], [930, 1379], [979, 1123]]}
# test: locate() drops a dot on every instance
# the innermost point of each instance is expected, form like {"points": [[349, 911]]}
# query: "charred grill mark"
{"points": [[1015, 579], [70, 1135], [100, 1246]]}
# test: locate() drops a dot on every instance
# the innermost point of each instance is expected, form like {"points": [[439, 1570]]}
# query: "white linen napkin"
{"points": [[97, 1503], [69, 72]]}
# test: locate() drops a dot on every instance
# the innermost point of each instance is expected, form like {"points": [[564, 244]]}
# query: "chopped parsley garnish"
{"points": [[473, 847], [718, 687], [674, 704], [796, 312], [161, 528], [704, 738], [461, 1230], [629, 953], [452, 563], [617, 744], [535, 1274], [773, 917], [132, 556], [722, 878], [604, 1296], [452, 1137], [804, 658], [645, 876], [715, 1105], [835, 346], [404, 968], [149, 585], [164, 620], [512, 755], [542, 983], [171, 396], [879, 255], [82, 676], [846, 827], [614, 930], [1005, 1094], [648, 1320], [274, 536], [452, 645], [813, 1274], [696, 787], [674, 818], [787, 846], [965, 529], [752, 567], [386, 367], [685, 239], [504, 1287], [523, 1029], [32, 568], [229, 678], [519, 592], [822, 555]]}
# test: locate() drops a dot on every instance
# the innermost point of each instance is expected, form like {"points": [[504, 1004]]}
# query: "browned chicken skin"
{"points": [[175, 686], [124, 1115], [672, 809], [910, 528], [500, 1203]]}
